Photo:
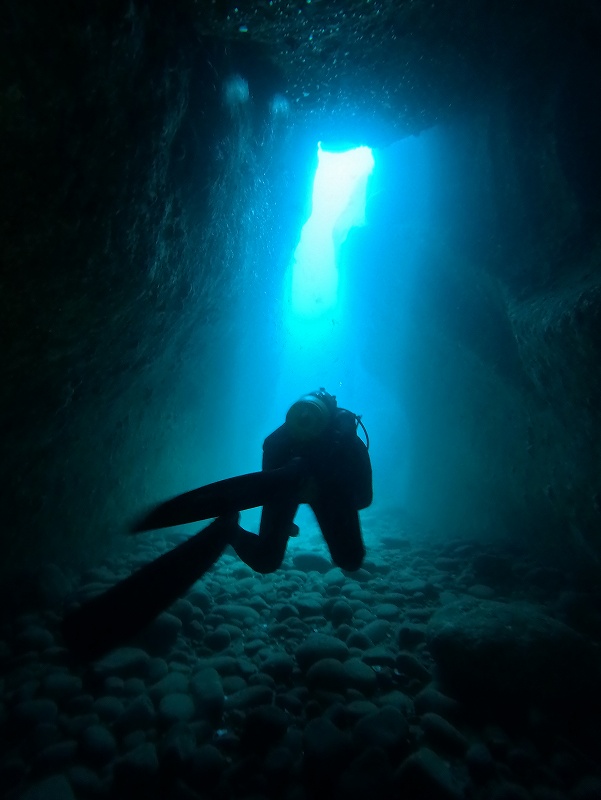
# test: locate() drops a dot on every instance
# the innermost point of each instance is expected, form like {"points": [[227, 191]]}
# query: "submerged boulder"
{"points": [[512, 651]]}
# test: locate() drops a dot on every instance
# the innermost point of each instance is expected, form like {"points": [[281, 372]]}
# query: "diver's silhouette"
{"points": [[315, 457]]}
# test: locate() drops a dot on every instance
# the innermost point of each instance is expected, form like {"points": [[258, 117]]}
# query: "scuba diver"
{"points": [[315, 457], [329, 469]]}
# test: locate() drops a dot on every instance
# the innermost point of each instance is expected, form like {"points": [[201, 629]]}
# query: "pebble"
{"points": [[98, 745], [441, 734], [480, 762], [279, 665], [61, 685], [172, 683], [56, 787], [325, 745], [386, 729], [139, 767], [208, 694], [411, 635], [176, 707], [249, 697], [205, 767], [139, 714], [125, 662], [311, 562], [278, 683], [424, 773], [318, 646], [55, 757], [35, 712], [377, 631]]}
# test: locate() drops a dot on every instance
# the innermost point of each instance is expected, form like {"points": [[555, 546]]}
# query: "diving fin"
{"points": [[114, 617], [232, 494]]}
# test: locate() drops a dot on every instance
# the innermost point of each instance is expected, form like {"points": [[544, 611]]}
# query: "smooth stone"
{"points": [[425, 774], [430, 699], [157, 670], [587, 788], [85, 781], [139, 714], [357, 709], [56, 787], [98, 744], [411, 635], [35, 712], [109, 708], [265, 725], [318, 646], [61, 685], [238, 612], [493, 652], [173, 683], [480, 762], [387, 611], [481, 591], [360, 676], [327, 673], [233, 683], [400, 700], [325, 745], [138, 767], [34, 637], [309, 605], [334, 577], [12, 771], [387, 729], [209, 697], [359, 640], [176, 707], [283, 611], [176, 747], [378, 657], [377, 631], [182, 609], [200, 599], [249, 697], [412, 667], [311, 562], [56, 757], [279, 665], [510, 791], [341, 612], [442, 734], [205, 767], [125, 662]]}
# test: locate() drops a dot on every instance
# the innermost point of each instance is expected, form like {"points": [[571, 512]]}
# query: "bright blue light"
{"points": [[338, 204]]}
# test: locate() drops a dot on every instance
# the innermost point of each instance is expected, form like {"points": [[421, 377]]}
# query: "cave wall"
{"points": [[497, 354], [131, 196]]}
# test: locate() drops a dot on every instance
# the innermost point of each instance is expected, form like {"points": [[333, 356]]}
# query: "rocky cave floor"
{"points": [[311, 682]]}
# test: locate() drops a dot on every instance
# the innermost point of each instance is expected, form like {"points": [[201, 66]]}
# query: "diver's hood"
{"points": [[308, 417]]}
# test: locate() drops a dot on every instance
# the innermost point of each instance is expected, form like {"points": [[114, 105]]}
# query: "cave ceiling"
{"points": [[379, 69]]}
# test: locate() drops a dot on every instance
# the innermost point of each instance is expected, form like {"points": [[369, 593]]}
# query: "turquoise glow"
{"points": [[338, 204]]}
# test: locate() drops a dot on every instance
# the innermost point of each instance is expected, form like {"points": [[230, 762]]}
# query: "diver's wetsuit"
{"points": [[334, 478]]}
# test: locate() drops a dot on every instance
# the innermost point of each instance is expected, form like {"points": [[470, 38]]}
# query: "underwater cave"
{"points": [[209, 211]]}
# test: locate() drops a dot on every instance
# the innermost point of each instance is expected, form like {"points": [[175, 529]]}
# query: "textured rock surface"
{"points": [[512, 651]]}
